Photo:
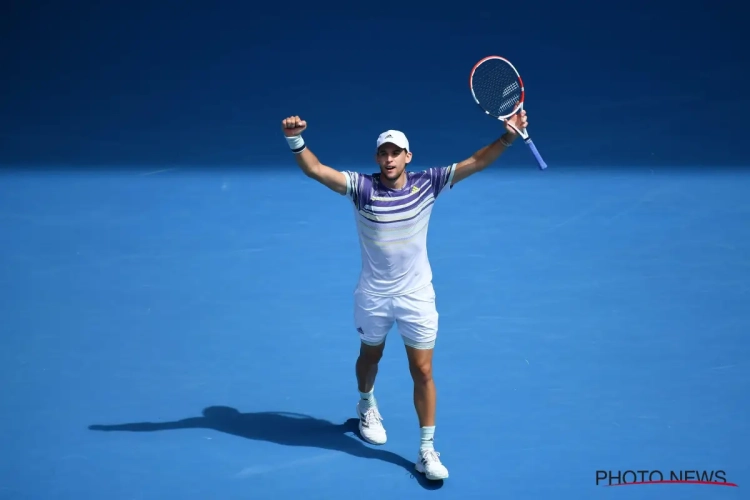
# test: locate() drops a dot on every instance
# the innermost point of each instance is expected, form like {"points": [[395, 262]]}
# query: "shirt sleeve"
{"points": [[355, 187], [441, 178]]}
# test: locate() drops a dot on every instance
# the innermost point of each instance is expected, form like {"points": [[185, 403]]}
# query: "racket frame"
{"points": [[523, 133]]}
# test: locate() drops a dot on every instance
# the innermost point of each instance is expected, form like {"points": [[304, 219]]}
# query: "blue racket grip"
{"points": [[538, 157]]}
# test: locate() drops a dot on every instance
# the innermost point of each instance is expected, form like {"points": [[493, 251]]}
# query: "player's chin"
{"points": [[390, 173]]}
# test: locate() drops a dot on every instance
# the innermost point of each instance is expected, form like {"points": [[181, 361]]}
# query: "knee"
{"points": [[421, 371], [370, 355]]}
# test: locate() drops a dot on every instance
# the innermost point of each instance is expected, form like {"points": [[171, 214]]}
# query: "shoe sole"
{"points": [[428, 476]]}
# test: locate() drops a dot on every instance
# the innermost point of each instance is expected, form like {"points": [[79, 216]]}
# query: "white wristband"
{"points": [[296, 144]]}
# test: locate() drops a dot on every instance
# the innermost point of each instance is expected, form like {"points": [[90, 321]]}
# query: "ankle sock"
{"points": [[428, 438], [367, 399]]}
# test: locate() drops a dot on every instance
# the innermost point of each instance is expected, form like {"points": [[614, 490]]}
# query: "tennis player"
{"points": [[392, 210]]}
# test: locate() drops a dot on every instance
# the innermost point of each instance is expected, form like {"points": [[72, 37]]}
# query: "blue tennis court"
{"points": [[188, 334]]}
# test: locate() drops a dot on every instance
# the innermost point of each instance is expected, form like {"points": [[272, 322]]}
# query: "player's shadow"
{"points": [[290, 429]]}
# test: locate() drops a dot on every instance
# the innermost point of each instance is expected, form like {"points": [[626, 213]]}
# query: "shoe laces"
{"points": [[372, 417], [431, 456]]}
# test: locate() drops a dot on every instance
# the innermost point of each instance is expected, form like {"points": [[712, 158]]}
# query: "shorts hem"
{"points": [[372, 343], [426, 345]]}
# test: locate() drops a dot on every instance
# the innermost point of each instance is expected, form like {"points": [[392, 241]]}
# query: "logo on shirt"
{"points": [[414, 189]]}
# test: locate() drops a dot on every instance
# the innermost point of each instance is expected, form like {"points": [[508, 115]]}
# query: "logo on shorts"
{"points": [[359, 329]]}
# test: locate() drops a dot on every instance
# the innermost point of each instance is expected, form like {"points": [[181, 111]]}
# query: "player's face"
{"points": [[392, 160]]}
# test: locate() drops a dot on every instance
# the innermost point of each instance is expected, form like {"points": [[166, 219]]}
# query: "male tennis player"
{"points": [[392, 211]]}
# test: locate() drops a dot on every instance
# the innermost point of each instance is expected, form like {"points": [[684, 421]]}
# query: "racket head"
{"points": [[497, 87]]}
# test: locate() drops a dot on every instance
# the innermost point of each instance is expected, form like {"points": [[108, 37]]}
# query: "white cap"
{"points": [[394, 137]]}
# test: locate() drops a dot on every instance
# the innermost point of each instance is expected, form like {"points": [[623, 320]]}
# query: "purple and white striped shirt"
{"points": [[392, 228]]}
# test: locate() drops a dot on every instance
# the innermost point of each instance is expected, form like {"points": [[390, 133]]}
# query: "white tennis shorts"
{"points": [[415, 316]]}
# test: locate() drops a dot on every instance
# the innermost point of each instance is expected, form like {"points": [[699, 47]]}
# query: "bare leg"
{"points": [[425, 402], [370, 426], [425, 394], [367, 366]]}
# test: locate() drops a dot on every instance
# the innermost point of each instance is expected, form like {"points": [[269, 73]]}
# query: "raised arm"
{"points": [[488, 154], [307, 161]]}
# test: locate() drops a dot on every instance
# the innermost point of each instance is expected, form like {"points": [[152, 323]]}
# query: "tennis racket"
{"points": [[498, 89]]}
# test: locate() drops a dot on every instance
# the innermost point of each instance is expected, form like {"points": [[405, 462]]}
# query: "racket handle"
{"points": [[538, 157]]}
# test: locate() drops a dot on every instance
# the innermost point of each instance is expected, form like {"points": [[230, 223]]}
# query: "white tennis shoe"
{"points": [[428, 463], [370, 425]]}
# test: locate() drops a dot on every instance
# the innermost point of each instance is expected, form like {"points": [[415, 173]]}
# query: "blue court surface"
{"points": [[186, 335]]}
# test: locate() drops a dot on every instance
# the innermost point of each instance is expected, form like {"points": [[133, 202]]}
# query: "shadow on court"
{"points": [[290, 429]]}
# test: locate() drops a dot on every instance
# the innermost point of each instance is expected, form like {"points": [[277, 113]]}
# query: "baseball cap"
{"points": [[394, 137]]}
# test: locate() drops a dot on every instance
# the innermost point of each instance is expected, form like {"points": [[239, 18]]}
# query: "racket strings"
{"points": [[496, 87]]}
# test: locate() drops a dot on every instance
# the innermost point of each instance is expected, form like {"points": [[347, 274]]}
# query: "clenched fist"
{"points": [[293, 125]]}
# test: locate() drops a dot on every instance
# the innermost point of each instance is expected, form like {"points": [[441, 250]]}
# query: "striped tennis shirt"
{"points": [[392, 228]]}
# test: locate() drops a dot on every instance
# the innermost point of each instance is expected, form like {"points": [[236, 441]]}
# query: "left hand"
{"points": [[519, 120]]}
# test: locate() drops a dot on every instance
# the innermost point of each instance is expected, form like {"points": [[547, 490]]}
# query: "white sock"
{"points": [[367, 399], [428, 438]]}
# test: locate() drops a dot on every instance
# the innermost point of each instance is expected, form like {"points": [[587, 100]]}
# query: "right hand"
{"points": [[293, 125]]}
